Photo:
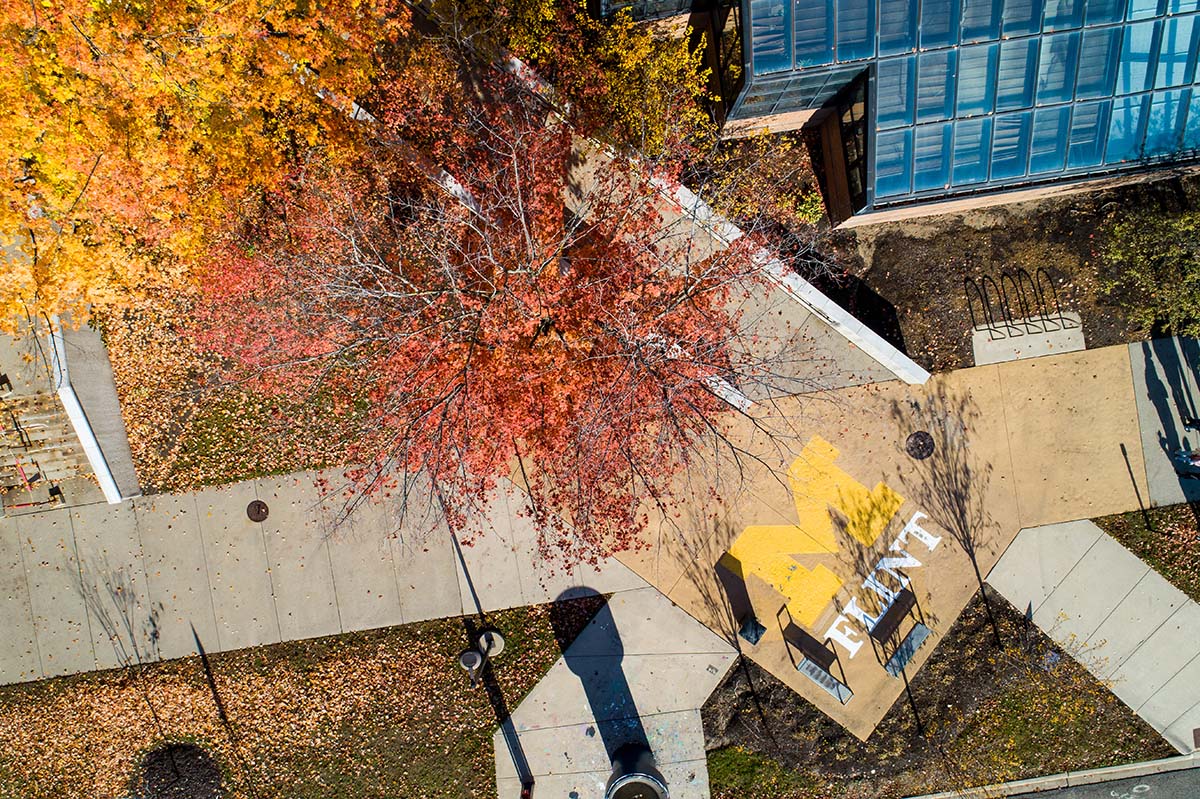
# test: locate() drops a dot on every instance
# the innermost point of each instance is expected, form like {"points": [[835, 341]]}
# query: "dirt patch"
{"points": [[920, 266], [987, 714], [179, 771]]}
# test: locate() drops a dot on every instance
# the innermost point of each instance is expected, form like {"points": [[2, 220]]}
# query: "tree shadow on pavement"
{"points": [[950, 485]]}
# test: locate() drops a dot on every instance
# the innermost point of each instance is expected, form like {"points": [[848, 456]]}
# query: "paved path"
{"points": [[640, 670], [1113, 613], [88, 587], [813, 520], [1168, 403]]}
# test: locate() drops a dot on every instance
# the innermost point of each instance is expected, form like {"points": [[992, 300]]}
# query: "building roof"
{"points": [[967, 95]]}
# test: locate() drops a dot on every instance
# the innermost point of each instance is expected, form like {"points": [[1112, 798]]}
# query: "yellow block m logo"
{"points": [[818, 485]]}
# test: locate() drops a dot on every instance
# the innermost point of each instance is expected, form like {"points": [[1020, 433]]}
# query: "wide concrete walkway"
{"points": [[95, 586], [1115, 615], [640, 671], [1165, 385]]}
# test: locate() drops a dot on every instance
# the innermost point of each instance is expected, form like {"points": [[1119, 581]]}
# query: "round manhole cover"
{"points": [[919, 445], [257, 511]]}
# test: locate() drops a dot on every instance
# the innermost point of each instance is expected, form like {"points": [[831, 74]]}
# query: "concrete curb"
{"points": [[79, 421], [1071, 778], [798, 288]]}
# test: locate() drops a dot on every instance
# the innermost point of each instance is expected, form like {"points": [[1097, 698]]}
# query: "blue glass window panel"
{"points": [[895, 84], [931, 156], [1021, 16], [1016, 74], [1062, 14], [855, 29], [981, 19], [935, 85], [897, 26], [804, 91], [893, 162], [1191, 125], [1177, 53], [1056, 67], [1137, 49], [1048, 142], [814, 34], [771, 35], [1089, 123], [972, 150], [1183, 6], [977, 79], [1143, 9], [1125, 129], [1163, 125], [1010, 145], [939, 23], [1098, 60], [1102, 11]]}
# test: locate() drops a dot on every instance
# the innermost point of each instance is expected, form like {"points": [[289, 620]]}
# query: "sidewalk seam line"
{"points": [[596, 721], [87, 615], [1175, 720], [593, 771], [1070, 571], [1008, 445], [262, 532], [1137, 410], [1164, 683], [1121, 602], [1145, 640], [37, 647], [318, 514], [212, 602], [137, 529]]}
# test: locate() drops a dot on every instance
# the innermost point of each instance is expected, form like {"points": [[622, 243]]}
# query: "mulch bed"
{"points": [[988, 715], [919, 266]]}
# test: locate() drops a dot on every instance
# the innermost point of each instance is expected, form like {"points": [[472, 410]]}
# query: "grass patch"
{"points": [[381, 713], [989, 715], [1171, 544], [740, 772]]}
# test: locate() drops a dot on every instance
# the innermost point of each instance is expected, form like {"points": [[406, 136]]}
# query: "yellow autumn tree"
{"points": [[639, 86], [134, 128]]}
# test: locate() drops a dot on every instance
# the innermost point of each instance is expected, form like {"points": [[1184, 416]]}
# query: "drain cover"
{"points": [[257, 511], [919, 445]]}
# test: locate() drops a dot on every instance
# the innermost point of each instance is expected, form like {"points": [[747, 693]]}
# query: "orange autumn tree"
{"points": [[134, 130], [545, 329]]}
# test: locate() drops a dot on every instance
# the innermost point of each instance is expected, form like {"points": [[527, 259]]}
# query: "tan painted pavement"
{"points": [[1019, 444]]}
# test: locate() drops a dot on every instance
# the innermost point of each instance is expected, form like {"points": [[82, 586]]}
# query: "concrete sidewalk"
{"points": [[1116, 616], [640, 670], [1167, 390], [88, 587]]}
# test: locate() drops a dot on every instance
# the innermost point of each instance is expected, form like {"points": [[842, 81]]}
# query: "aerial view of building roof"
{"points": [[962, 96]]}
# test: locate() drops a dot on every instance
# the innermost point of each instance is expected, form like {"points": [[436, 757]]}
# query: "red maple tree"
{"points": [[543, 325]]}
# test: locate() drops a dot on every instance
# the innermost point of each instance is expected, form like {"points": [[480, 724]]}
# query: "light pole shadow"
{"points": [[596, 657]]}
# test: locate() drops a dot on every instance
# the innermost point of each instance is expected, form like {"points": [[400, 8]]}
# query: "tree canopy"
{"points": [[134, 130], [545, 329], [359, 213]]}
